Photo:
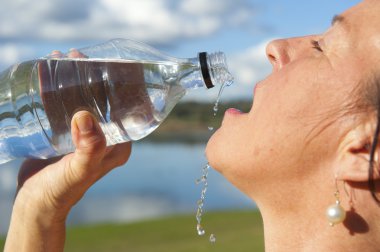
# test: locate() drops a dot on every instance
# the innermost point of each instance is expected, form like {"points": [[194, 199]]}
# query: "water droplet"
{"points": [[216, 106], [199, 202], [200, 230], [204, 190], [201, 180], [199, 211], [210, 128], [212, 238]]}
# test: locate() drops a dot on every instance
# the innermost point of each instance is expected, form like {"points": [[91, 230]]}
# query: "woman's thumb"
{"points": [[89, 141]]}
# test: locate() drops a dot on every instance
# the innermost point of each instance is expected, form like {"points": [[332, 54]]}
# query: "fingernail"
{"points": [[85, 123], [55, 53]]}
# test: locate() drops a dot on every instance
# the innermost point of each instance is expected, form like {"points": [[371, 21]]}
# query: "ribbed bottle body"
{"points": [[20, 132]]}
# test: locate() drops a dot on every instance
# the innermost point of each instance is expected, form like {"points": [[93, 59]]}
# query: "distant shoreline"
{"points": [[188, 122]]}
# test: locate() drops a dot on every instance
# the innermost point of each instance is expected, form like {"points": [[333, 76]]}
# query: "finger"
{"points": [[74, 53], [56, 54], [90, 144], [118, 155]]}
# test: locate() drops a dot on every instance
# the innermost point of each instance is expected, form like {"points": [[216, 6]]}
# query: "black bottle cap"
{"points": [[205, 70]]}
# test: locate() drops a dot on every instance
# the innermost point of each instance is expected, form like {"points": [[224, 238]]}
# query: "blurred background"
{"points": [[159, 179]]}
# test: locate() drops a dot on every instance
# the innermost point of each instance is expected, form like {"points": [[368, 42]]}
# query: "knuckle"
{"points": [[92, 144]]}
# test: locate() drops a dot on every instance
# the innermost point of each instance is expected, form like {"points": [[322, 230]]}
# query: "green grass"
{"points": [[235, 231]]}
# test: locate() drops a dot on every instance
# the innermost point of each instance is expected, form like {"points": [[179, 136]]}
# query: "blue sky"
{"points": [[181, 28]]}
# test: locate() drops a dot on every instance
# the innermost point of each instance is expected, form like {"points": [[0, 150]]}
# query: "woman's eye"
{"points": [[316, 45]]}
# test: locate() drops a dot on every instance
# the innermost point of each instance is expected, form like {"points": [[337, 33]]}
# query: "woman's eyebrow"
{"points": [[337, 19], [342, 21]]}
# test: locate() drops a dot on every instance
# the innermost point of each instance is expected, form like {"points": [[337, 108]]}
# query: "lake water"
{"points": [[158, 180]]}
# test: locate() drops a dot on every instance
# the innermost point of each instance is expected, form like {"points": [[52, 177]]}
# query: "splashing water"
{"points": [[216, 105], [212, 238], [200, 202], [203, 178]]}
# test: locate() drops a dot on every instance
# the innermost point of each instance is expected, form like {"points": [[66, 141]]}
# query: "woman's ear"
{"points": [[355, 151]]}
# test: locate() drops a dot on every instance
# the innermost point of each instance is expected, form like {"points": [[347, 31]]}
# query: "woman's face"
{"points": [[298, 115]]}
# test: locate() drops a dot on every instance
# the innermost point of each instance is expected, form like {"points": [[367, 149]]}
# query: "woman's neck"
{"points": [[307, 229]]}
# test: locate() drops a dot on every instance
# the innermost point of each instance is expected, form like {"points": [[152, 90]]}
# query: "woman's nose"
{"points": [[277, 53], [281, 52]]}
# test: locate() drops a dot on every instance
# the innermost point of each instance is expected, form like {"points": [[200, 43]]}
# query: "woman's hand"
{"points": [[48, 189]]}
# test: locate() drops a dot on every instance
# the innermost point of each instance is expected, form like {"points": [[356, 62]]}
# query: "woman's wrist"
{"points": [[34, 227], [29, 205]]}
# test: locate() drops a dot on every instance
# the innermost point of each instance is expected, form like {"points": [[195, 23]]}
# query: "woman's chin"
{"points": [[211, 150]]}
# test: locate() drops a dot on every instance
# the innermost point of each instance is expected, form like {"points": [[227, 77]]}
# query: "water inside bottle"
{"points": [[130, 99]]}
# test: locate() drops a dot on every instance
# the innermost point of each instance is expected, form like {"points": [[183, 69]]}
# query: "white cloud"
{"points": [[12, 53], [152, 21], [250, 65]]}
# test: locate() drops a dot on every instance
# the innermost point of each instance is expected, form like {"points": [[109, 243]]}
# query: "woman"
{"points": [[312, 131]]}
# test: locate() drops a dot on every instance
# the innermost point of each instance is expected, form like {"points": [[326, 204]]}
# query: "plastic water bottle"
{"points": [[129, 86]]}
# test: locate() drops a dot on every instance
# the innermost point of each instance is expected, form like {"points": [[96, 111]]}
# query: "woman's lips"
{"points": [[233, 111], [230, 113]]}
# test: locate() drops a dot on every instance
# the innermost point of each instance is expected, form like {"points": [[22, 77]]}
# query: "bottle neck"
{"points": [[218, 69], [205, 69], [208, 70]]}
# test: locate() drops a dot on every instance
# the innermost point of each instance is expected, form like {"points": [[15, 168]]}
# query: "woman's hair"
{"points": [[371, 170], [372, 91]]}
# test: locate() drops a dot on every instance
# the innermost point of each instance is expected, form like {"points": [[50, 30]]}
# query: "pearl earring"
{"points": [[335, 213]]}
